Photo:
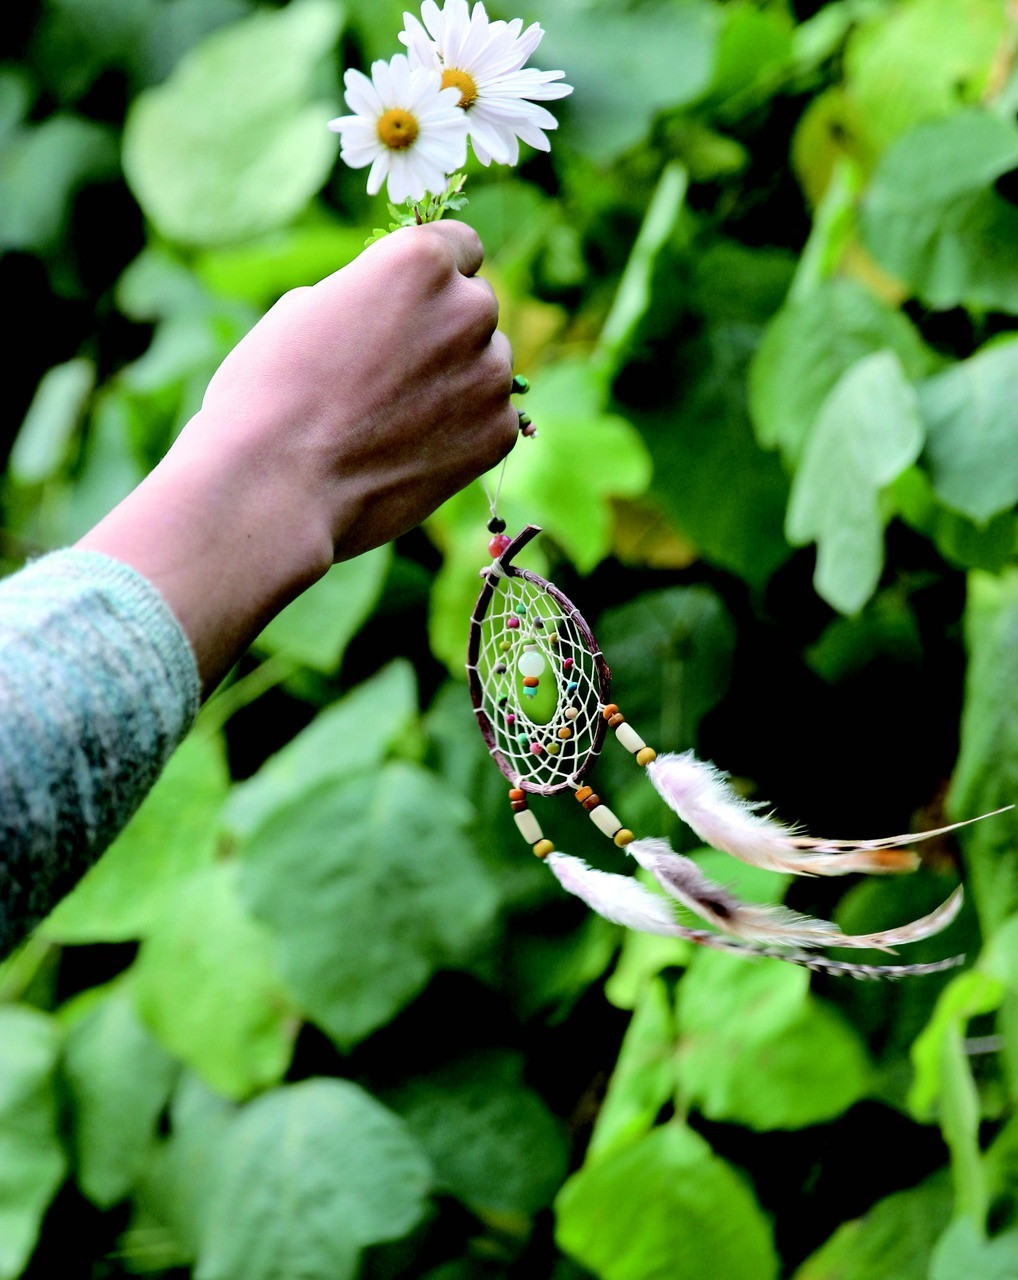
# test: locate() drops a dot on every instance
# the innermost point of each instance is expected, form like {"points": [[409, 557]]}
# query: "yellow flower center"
{"points": [[462, 80], [397, 129]]}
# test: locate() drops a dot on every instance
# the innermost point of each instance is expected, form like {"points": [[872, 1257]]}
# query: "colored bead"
{"points": [[553, 748], [506, 645], [511, 718], [610, 710], [605, 821], [520, 385], [495, 525], [528, 826], [645, 756], [530, 682], [536, 748], [616, 720], [521, 609], [623, 837], [517, 806], [498, 544], [583, 792], [571, 713], [553, 637], [531, 663], [565, 732], [567, 663], [629, 738], [523, 739], [538, 622], [543, 848], [525, 420], [591, 802], [530, 693], [517, 793], [512, 623], [529, 430], [500, 668], [503, 700], [572, 687]]}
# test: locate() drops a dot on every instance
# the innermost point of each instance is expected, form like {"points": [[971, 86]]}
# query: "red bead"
{"points": [[498, 544], [567, 664]]}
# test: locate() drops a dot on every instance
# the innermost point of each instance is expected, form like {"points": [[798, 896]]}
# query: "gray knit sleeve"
{"points": [[98, 685]]}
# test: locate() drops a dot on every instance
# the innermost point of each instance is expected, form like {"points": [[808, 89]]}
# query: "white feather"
{"points": [[700, 794]]}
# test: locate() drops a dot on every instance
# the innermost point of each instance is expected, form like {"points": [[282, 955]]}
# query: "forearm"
{"points": [[226, 540], [97, 687]]}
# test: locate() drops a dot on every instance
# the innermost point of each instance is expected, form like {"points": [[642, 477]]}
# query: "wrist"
{"points": [[228, 536]]}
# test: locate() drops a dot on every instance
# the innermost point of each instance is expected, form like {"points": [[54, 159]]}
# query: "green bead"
{"points": [[520, 385], [521, 609]]}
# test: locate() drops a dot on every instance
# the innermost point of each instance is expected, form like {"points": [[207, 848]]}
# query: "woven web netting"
{"points": [[522, 616]]}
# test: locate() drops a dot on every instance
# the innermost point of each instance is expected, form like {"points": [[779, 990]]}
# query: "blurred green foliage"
{"points": [[318, 1012]]}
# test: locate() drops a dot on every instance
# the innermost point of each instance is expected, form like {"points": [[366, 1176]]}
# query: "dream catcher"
{"points": [[541, 693]]}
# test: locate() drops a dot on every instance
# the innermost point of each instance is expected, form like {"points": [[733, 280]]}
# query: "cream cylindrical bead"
{"points": [[603, 818], [528, 826], [629, 738]]}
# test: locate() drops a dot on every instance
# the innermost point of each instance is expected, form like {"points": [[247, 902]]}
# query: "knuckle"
{"points": [[420, 254]]}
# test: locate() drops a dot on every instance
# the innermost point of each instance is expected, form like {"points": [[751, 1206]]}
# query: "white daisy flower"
{"points": [[407, 127], [484, 61]]}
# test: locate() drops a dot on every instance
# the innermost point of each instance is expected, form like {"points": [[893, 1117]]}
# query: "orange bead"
{"points": [[517, 793], [583, 793], [615, 720], [610, 710], [565, 732], [530, 682]]}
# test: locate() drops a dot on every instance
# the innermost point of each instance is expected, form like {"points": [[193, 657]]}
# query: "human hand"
{"points": [[382, 390], [349, 412]]}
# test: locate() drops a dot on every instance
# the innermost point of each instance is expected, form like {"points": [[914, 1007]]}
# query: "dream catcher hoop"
{"points": [[541, 689]]}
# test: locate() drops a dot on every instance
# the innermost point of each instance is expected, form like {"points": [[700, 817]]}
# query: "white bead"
{"points": [[528, 826], [603, 818], [531, 663], [629, 738], [571, 713]]}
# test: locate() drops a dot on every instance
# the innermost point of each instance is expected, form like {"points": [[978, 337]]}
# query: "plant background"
{"points": [[764, 287]]}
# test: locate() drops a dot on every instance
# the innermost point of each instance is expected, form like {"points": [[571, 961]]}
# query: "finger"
{"points": [[503, 350], [483, 306], [465, 243]]}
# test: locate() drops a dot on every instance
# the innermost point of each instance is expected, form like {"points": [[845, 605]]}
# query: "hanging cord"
{"points": [[520, 386]]}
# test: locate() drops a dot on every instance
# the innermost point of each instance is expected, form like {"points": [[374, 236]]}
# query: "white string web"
{"points": [[546, 627]]}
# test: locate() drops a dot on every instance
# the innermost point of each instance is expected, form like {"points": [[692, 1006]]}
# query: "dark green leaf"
{"points": [[306, 1176], [369, 887], [32, 1162]]}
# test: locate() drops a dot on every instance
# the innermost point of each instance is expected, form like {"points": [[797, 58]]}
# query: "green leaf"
{"points": [[369, 888], [922, 59], [232, 144], [662, 1207], [868, 431], [32, 1162], [206, 985], [944, 1077], [316, 628], [756, 1048], [964, 1253], [932, 218], [258, 273], [41, 445], [971, 416], [959, 540], [809, 345], [986, 776], [492, 1141], [644, 1078], [307, 1176], [172, 834], [351, 736], [633, 295], [625, 67], [41, 168], [892, 1241], [119, 1080]]}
